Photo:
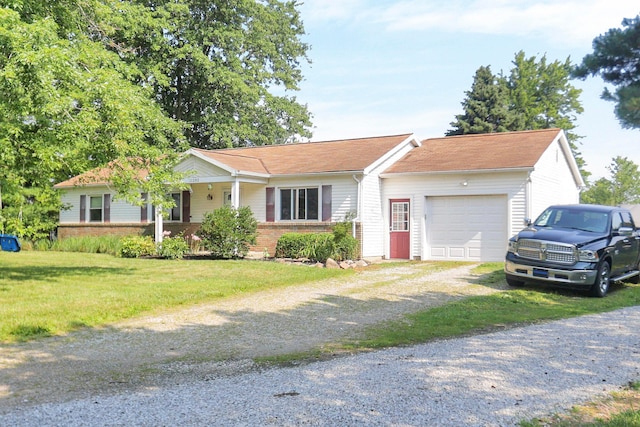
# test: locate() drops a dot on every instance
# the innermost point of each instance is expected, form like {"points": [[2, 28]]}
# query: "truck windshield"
{"points": [[577, 219]]}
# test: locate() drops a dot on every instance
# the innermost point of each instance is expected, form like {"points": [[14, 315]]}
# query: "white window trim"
{"points": [[295, 203], [89, 209]]}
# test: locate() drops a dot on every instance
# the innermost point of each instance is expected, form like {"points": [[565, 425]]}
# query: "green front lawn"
{"points": [[50, 293]]}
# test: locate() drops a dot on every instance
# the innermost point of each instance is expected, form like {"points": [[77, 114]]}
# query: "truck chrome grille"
{"points": [[541, 250]]}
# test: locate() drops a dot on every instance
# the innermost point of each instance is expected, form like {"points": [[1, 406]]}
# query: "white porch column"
{"points": [[159, 226], [235, 194]]}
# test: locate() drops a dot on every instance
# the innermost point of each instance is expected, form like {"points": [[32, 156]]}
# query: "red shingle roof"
{"points": [[312, 157], [345, 155], [508, 150]]}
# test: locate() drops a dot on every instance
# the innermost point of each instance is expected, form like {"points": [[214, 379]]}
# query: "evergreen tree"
{"points": [[534, 95], [486, 106], [616, 58]]}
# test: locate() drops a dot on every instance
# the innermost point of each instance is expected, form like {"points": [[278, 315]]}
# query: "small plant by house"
{"points": [[137, 246], [228, 232], [339, 245], [173, 247]]}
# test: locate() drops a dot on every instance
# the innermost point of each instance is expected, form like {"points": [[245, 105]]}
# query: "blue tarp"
{"points": [[9, 243]]}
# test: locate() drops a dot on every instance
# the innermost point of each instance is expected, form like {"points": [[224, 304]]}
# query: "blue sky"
{"points": [[387, 67]]}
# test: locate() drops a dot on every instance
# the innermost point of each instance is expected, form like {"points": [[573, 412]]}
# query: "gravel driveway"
{"points": [[193, 367]]}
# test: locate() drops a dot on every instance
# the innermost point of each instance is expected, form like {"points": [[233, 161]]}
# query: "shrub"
{"points": [[290, 245], [345, 246], [228, 232], [315, 246], [137, 246], [339, 245], [173, 247]]}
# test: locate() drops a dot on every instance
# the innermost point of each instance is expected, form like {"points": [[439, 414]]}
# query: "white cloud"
{"points": [[568, 22]]}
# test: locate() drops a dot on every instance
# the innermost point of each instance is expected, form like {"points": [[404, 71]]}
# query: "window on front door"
{"points": [[400, 216], [299, 203]]}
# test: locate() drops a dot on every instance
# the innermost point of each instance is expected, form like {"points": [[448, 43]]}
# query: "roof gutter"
{"points": [[461, 171]]}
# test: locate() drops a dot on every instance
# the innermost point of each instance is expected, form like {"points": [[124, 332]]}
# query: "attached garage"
{"points": [[468, 194], [466, 228]]}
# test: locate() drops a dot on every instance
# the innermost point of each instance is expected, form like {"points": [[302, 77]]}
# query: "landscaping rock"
{"points": [[331, 263]]}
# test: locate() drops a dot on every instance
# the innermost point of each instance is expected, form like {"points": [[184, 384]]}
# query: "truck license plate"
{"points": [[540, 273]]}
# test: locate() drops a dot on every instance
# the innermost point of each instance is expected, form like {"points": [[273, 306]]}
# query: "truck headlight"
{"points": [[512, 246], [588, 256]]}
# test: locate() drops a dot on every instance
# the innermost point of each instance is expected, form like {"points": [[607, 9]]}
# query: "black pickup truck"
{"points": [[576, 246]]}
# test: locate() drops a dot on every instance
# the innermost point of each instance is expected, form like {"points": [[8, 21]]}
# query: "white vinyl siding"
{"points": [[419, 187], [344, 194], [552, 181], [374, 210], [122, 212]]}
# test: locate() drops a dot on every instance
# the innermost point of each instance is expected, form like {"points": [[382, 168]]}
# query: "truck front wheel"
{"points": [[514, 282], [601, 286]]}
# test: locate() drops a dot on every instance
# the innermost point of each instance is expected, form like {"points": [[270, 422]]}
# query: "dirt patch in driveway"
{"points": [[222, 338]]}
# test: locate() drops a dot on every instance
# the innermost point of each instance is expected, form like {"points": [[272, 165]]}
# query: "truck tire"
{"points": [[601, 285], [515, 283]]}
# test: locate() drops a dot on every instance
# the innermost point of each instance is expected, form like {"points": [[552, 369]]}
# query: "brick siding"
{"points": [[268, 232]]}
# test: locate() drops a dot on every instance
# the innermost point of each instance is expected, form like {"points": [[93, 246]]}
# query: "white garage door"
{"points": [[469, 228]]}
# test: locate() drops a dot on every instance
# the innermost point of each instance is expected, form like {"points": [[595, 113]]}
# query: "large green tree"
{"points": [[86, 83], [616, 58], [227, 68], [535, 94], [622, 186], [68, 105]]}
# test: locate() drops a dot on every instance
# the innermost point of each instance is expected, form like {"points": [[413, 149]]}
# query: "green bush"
{"points": [[345, 248], [315, 246], [173, 247], [291, 245], [137, 246], [228, 232], [339, 245]]}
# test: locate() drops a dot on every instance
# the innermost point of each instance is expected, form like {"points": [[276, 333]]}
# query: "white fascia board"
{"points": [[214, 162], [457, 172], [224, 166], [410, 140]]}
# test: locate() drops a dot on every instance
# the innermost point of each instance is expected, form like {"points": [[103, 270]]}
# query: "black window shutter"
{"points": [[186, 206], [271, 204], [83, 208], [106, 208], [326, 203]]}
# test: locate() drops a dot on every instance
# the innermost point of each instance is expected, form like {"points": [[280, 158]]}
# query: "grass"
{"points": [[619, 409], [52, 293]]}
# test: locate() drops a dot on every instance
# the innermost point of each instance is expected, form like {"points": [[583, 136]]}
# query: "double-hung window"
{"points": [[95, 208], [299, 204]]}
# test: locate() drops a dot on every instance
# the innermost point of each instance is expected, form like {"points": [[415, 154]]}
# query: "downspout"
{"points": [[528, 197], [358, 208]]}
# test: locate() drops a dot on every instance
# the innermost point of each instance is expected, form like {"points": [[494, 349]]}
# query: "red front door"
{"points": [[399, 228]]}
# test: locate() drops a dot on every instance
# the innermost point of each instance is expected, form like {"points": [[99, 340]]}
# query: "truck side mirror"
{"points": [[623, 231], [527, 222]]}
